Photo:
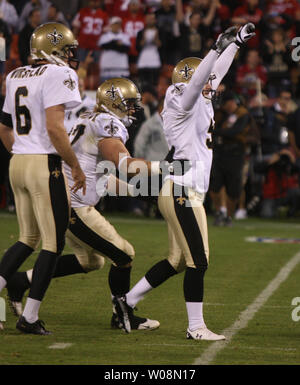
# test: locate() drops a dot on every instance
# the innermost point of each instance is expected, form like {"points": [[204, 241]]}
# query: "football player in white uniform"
{"points": [[97, 136], [188, 121], [32, 129]]}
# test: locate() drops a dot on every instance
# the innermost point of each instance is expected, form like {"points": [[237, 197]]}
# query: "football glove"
{"points": [[245, 33], [224, 39]]}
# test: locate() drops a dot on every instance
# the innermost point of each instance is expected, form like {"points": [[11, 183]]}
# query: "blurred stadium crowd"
{"points": [[143, 40]]}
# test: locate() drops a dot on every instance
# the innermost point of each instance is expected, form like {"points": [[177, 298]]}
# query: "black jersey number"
{"points": [[77, 132], [209, 141], [23, 125]]}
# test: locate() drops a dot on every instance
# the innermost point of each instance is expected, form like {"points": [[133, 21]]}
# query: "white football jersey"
{"points": [[71, 116], [29, 91], [190, 133], [89, 129]]}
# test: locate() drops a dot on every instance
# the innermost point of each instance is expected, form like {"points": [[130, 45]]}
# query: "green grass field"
{"points": [[78, 309]]}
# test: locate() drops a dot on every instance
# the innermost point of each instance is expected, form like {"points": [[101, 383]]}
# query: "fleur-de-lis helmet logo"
{"points": [[55, 37], [187, 72], [112, 93]]}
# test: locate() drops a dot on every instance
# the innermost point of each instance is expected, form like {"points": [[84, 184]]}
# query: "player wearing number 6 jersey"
{"points": [[188, 119], [35, 103], [97, 137]]}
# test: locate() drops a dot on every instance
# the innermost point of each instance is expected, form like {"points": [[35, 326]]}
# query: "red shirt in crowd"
{"points": [[282, 6], [132, 24], [276, 187], [90, 23], [248, 75], [117, 7]]}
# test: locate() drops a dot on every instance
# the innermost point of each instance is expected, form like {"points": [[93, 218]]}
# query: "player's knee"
{"points": [[201, 266], [94, 262], [31, 240], [129, 250], [126, 256], [179, 266]]}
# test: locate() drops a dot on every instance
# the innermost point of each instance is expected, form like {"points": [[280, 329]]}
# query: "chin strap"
{"points": [[51, 59]]}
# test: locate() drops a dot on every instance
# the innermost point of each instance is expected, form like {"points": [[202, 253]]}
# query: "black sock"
{"points": [[193, 284], [160, 272], [13, 259], [67, 265], [119, 280], [42, 273], [17, 285]]}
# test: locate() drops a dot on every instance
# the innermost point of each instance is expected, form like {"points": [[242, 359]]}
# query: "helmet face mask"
{"points": [[71, 56], [55, 43], [120, 97], [210, 94]]}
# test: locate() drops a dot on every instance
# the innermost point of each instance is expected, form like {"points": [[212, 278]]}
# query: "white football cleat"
{"points": [[149, 324], [203, 334], [136, 323]]}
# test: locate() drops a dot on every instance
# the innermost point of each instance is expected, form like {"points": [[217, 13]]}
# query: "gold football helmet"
{"points": [[54, 42], [118, 96], [185, 69]]}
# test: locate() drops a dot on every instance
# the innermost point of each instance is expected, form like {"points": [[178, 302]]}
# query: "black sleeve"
{"points": [[6, 119]]}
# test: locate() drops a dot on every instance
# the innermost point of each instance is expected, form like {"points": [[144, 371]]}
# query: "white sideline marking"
{"points": [[210, 353], [60, 345]]}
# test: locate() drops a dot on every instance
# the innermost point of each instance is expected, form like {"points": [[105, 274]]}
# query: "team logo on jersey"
{"points": [[178, 89], [187, 72], [56, 173], [181, 200], [112, 93], [70, 83], [111, 128], [55, 37]]}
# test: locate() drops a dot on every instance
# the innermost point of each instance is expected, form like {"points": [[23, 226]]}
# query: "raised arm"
{"points": [[225, 60], [204, 69], [223, 64]]}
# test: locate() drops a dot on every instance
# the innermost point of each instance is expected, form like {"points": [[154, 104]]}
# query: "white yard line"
{"points": [[246, 316], [60, 345]]}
